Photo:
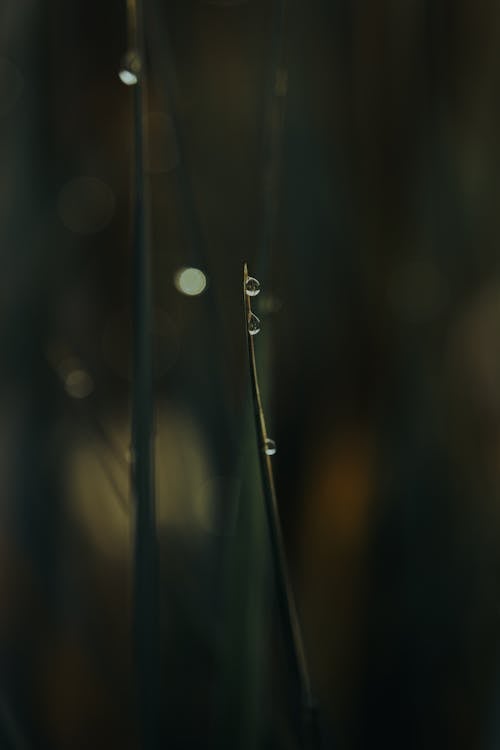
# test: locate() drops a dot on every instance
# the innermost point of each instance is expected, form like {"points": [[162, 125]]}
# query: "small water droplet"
{"points": [[253, 324], [130, 68], [252, 286], [270, 447]]}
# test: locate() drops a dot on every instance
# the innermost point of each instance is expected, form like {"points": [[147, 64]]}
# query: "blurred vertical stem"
{"points": [[146, 591]]}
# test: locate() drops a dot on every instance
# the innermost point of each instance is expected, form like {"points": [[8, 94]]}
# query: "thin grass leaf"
{"points": [[286, 599]]}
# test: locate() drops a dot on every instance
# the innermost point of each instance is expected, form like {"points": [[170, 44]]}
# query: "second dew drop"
{"points": [[270, 447], [252, 286], [253, 324]]}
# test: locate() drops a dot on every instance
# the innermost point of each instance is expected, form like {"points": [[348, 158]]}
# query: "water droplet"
{"points": [[270, 447], [253, 324], [130, 68], [252, 286]]}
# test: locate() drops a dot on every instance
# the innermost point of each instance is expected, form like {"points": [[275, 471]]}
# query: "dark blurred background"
{"points": [[349, 152]]}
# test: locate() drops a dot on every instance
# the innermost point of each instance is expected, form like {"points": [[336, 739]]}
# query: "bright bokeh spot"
{"points": [[79, 384], [130, 68], [127, 77], [190, 281]]}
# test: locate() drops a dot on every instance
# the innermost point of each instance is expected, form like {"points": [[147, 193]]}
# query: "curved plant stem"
{"points": [[286, 599]]}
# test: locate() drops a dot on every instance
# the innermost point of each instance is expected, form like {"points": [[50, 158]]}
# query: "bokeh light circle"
{"points": [[190, 281]]}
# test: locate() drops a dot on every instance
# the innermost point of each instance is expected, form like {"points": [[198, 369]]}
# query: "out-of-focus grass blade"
{"points": [[146, 588]]}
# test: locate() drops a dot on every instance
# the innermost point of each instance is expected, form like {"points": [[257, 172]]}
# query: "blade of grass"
{"points": [[286, 600]]}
